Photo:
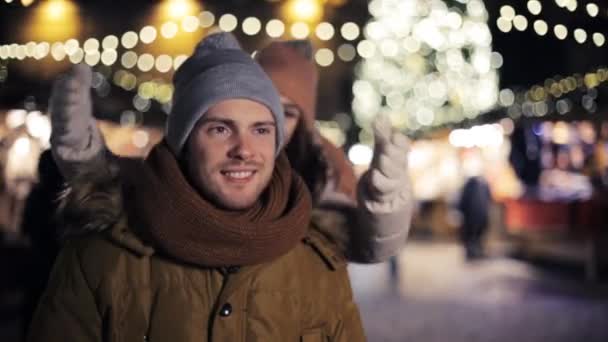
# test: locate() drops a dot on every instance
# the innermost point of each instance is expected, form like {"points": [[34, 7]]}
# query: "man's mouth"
{"points": [[238, 176]]}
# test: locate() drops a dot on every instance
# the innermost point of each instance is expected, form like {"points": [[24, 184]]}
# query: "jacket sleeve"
{"points": [[67, 310], [367, 236]]}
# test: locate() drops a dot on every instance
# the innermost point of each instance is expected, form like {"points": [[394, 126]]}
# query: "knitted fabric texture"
{"points": [[189, 228]]}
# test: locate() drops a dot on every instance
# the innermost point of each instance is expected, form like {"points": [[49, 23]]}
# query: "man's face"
{"points": [[292, 116], [230, 153]]}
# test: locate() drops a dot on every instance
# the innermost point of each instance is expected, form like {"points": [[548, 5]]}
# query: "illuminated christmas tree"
{"points": [[425, 63]]}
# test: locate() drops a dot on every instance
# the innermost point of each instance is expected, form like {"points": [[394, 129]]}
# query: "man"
{"points": [[368, 219], [211, 239]]}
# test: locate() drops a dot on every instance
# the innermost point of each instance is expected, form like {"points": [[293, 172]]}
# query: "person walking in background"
{"points": [[474, 204]]}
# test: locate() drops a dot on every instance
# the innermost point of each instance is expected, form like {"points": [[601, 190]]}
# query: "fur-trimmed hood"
{"points": [[93, 203]]}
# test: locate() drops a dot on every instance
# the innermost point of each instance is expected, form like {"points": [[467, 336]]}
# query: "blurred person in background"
{"points": [[369, 218], [474, 205]]}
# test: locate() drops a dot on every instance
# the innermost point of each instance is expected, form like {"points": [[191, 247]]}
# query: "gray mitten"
{"points": [[75, 137], [387, 185]]}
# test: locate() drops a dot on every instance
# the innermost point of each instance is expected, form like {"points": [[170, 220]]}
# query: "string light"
{"points": [[190, 23], [169, 30], [324, 57], [325, 31], [591, 9], [350, 31], [251, 26], [110, 42], [300, 30], [538, 99], [129, 40], [206, 19], [275, 28], [94, 51], [148, 34], [24, 3], [228, 22], [509, 19]]}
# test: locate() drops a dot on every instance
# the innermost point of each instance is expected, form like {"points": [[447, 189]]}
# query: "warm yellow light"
{"points": [[77, 56], [30, 49], [42, 50], [324, 57], [164, 63], [26, 3], [561, 32], [110, 42], [251, 26], [92, 59], [275, 28], [178, 22], [4, 52], [177, 9], [206, 19], [178, 61], [55, 9], [21, 52], [129, 39], [366, 49], [520, 22], [350, 31], [58, 51], [90, 45], [504, 24], [52, 20], [304, 10], [325, 31], [541, 27], [190, 23], [71, 46], [347, 52], [129, 59], [109, 57], [599, 39], [580, 35], [228, 22], [147, 34], [169, 30], [300, 30], [145, 62]]}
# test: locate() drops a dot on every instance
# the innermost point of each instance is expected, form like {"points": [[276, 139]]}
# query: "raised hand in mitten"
{"points": [[75, 138], [386, 186]]}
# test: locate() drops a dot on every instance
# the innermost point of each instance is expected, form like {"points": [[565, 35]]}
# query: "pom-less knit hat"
{"points": [[290, 66], [218, 70]]}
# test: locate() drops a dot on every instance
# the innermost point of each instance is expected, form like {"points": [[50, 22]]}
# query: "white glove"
{"points": [[386, 187], [75, 138]]}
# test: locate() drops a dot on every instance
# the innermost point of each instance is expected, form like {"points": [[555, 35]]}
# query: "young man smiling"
{"points": [[209, 238]]}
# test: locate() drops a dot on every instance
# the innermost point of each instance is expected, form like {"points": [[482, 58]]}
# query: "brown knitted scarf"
{"points": [[186, 226]]}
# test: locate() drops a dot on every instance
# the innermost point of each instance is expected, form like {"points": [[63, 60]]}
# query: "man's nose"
{"points": [[243, 147]]}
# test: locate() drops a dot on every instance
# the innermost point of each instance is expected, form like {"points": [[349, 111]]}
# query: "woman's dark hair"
{"points": [[308, 159]]}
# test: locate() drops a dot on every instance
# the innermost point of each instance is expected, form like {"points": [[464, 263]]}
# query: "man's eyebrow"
{"points": [[264, 123], [207, 119]]}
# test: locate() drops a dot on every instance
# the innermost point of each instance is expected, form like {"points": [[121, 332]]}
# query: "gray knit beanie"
{"points": [[218, 70]]}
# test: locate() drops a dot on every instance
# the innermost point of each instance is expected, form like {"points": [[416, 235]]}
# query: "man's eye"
{"points": [[218, 130], [262, 130]]}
